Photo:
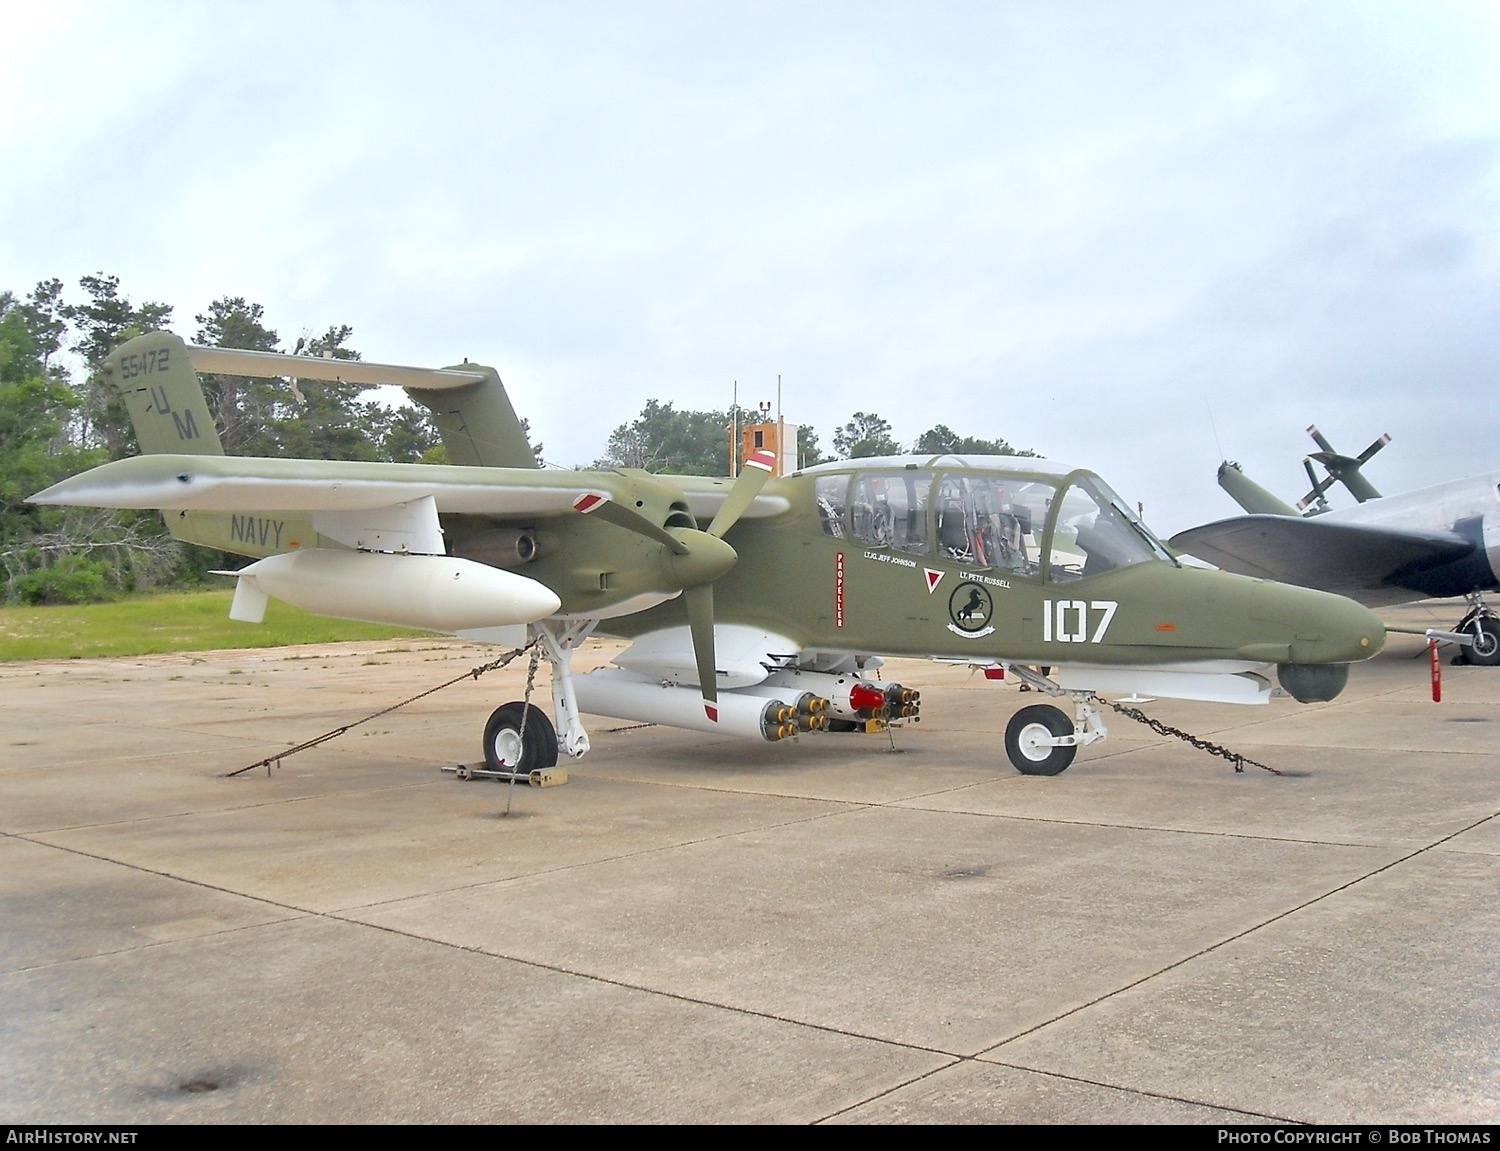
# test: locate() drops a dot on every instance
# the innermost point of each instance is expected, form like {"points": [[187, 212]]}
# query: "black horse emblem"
{"points": [[969, 607]]}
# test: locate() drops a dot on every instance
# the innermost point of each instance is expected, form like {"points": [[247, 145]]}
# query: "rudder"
{"points": [[154, 377]]}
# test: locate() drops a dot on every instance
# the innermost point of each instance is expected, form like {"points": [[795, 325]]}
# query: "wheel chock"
{"points": [[542, 777]]}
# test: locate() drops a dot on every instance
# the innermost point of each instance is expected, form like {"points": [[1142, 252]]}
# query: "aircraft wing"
{"points": [[1322, 554], [238, 483]]}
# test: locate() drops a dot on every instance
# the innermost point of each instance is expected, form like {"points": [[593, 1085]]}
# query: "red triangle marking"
{"points": [[933, 579]]}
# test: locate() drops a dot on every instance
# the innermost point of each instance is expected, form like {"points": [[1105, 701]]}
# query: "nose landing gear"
{"points": [[1031, 740], [1041, 739]]}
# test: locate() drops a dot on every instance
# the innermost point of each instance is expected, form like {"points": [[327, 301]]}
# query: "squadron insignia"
{"points": [[970, 609]]}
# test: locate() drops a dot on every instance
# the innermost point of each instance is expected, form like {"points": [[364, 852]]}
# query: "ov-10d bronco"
{"points": [[768, 622]]}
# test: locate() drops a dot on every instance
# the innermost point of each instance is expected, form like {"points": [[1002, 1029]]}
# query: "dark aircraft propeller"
{"points": [[1314, 502], [1341, 469]]}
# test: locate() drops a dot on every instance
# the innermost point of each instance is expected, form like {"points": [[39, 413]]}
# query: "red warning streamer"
{"points": [[1437, 671]]}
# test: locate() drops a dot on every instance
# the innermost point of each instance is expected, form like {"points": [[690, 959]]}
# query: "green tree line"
{"points": [[664, 439], [58, 418]]}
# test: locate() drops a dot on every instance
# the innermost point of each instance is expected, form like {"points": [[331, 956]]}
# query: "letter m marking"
{"points": [[187, 427]]}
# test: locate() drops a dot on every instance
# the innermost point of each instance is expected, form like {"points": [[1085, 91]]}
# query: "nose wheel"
{"points": [[1032, 740]]}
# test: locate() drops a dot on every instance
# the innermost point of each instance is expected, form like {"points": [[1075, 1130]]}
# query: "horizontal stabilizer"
{"points": [[237, 362], [468, 403]]}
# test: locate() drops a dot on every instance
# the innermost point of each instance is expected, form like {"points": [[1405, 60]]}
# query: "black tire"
{"points": [[1040, 719], [1485, 650], [503, 738]]}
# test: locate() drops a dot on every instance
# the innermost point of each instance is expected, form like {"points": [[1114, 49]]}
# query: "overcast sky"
{"points": [[1101, 231]]}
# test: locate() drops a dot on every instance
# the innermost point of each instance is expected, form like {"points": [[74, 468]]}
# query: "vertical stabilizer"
{"points": [[479, 426], [154, 377]]}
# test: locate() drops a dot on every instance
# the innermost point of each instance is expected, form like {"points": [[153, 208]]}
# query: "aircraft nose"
{"points": [[1324, 628]]}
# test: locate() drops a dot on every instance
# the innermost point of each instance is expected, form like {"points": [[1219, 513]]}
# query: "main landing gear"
{"points": [[520, 737], [1485, 624], [1041, 739]]}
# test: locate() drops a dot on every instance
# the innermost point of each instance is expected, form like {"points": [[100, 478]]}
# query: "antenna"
{"points": [[781, 433], [734, 430], [1213, 427]]}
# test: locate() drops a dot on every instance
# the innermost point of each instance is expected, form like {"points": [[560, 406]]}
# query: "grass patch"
{"points": [[178, 621]]}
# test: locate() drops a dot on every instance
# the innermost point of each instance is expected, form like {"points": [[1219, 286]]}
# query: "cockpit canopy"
{"points": [[1038, 521]]}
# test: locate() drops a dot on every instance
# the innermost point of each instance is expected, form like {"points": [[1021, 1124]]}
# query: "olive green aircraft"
{"points": [[769, 623]]}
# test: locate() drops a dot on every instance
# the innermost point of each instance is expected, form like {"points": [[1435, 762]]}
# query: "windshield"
{"points": [[1097, 532]]}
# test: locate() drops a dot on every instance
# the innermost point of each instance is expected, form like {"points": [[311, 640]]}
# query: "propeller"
{"points": [[694, 559], [1341, 468], [1315, 496]]}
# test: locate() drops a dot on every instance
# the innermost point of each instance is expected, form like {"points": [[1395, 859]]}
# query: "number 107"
{"points": [[1067, 620]]}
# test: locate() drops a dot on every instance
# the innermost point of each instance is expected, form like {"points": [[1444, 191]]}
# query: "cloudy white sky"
{"points": [[1103, 231]]}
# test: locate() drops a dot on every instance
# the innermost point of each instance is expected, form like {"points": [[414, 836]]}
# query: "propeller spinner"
{"points": [[693, 559]]}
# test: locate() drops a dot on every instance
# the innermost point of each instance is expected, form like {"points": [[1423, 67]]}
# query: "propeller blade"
{"points": [[600, 504], [1312, 430], [700, 610], [694, 557], [1312, 478], [1364, 456], [700, 599], [1318, 487], [753, 476]]}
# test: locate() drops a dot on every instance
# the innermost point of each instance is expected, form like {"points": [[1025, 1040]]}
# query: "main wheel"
{"points": [[506, 750], [1485, 650], [1028, 738]]}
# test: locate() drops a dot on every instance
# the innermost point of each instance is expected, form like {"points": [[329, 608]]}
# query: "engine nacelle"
{"points": [[499, 548]]}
